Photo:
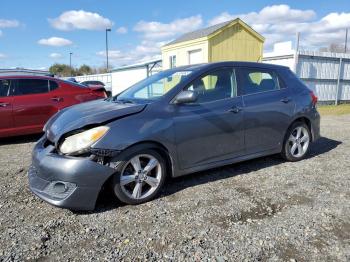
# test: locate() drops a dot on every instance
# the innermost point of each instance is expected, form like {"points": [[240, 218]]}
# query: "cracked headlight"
{"points": [[81, 141]]}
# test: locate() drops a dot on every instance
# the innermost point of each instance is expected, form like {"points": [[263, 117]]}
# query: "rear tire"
{"points": [[297, 142], [140, 176]]}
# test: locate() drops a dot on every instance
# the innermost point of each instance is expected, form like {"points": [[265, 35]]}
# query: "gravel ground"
{"points": [[264, 209]]}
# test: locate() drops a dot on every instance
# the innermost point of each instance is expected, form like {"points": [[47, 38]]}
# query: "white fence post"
{"points": [[338, 81]]}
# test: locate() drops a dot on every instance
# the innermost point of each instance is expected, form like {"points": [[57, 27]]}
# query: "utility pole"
{"points": [[296, 55], [346, 40], [70, 63], [298, 42], [107, 30]]}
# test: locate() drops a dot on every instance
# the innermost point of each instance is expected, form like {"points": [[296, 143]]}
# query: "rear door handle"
{"points": [[4, 104], [57, 99], [285, 100], [235, 109]]}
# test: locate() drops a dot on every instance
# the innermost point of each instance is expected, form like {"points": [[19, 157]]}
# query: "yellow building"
{"points": [[229, 41]]}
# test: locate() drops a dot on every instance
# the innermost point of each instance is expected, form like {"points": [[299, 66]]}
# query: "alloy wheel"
{"points": [[141, 176], [299, 141]]}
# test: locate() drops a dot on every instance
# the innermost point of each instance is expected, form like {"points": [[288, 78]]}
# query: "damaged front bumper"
{"points": [[65, 181]]}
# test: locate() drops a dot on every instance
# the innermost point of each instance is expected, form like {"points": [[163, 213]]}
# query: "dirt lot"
{"points": [[265, 209]]}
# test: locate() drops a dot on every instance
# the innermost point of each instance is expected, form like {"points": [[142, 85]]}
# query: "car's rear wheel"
{"points": [[297, 142], [139, 177]]}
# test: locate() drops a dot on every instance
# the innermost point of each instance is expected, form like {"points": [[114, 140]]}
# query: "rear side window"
{"points": [[5, 86], [53, 85], [253, 81], [31, 86]]}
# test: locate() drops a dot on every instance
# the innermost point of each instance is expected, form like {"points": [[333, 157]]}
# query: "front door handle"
{"points": [[235, 109], [57, 99], [286, 100], [4, 104]]}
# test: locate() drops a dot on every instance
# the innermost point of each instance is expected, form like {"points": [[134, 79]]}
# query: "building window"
{"points": [[172, 61]]}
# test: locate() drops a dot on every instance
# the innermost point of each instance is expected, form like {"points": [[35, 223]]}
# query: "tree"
{"points": [[62, 70], [333, 47], [84, 70]]}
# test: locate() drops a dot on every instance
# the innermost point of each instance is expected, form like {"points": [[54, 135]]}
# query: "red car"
{"points": [[27, 102]]}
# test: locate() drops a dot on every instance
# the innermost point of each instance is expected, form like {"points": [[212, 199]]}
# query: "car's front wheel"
{"points": [[297, 142], [139, 177]]}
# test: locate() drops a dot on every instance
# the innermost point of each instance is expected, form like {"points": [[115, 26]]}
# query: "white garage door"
{"points": [[195, 57]]}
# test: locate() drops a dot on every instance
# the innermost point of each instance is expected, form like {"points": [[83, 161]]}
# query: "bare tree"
{"points": [[334, 48]]}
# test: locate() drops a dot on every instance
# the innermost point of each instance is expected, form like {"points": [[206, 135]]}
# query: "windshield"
{"points": [[154, 87]]}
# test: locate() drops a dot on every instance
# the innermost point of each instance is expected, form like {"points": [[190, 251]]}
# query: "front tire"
{"points": [[140, 176], [297, 142]]}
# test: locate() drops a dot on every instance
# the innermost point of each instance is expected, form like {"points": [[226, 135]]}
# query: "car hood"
{"points": [[90, 113]]}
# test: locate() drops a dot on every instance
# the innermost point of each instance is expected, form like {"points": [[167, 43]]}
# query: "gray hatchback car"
{"points": [[176, 122]]}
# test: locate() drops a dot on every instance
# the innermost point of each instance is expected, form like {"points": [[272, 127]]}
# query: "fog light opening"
{"points": [[60, 188]]}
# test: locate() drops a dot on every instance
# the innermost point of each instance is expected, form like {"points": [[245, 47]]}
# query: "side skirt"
{"points": [[230, 161]]}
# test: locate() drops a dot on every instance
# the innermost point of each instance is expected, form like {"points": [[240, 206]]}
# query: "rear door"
{"points": [[6, 103], [268, 108], [33, 104]]}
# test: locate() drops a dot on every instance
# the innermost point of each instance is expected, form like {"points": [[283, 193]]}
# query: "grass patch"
{"points": [[334, 110]]}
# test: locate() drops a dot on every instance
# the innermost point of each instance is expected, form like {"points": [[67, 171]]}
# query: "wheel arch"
{"points": [[304, 120], [160, 148]]}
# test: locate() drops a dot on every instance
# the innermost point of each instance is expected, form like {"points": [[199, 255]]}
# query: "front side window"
{"points": [[217, 85], [257, 80], [31, 86], [154, 87], [4, 87]]}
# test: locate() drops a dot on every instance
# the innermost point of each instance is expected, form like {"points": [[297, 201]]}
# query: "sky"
{"points": [[35, 34]]}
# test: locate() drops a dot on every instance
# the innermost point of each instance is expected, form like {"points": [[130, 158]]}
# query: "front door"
{"points": [[211, 129], [268, 108]]}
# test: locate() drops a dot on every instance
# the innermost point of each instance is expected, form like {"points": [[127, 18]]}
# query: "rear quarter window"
{"points": [[53, 85], [289, 76]]}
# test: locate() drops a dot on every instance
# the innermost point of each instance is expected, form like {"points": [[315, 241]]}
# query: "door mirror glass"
{"points": [[187, 96]]}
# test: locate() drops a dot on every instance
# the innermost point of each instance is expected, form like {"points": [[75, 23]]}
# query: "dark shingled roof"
{"points": [[199, 33]]}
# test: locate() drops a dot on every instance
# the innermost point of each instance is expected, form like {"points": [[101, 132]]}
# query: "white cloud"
{"points": [[2, 56], [81, 19], [146, 50], [281, 23], [122, 30], [268, 15], [276, 23], [55, 55], [4, 23], [55, 41], [158, 30], [153, 36]]}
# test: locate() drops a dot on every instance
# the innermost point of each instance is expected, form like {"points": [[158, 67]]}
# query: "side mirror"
{"points": [[186, 97]]}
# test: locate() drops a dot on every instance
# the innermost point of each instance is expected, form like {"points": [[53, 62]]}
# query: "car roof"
{"points": [[27, 77], [229, 63]]}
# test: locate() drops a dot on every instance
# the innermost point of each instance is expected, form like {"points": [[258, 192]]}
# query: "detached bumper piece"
{"points": [[68, 182]]}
